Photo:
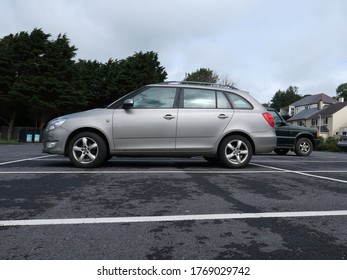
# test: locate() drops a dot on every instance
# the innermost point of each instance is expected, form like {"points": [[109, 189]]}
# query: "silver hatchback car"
{"points": [[183, 119]]}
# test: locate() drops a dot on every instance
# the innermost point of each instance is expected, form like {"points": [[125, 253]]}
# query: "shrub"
{"points": [[328, 145]]}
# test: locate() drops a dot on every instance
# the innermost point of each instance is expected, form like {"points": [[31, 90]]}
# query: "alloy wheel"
{"points": [[85, 150]]}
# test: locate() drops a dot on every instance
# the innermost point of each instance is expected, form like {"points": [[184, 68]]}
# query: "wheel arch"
{"points": [[304, 135], [85, 129]]}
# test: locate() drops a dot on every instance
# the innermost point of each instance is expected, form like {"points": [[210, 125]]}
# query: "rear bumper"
{"points": [[265, 144]]}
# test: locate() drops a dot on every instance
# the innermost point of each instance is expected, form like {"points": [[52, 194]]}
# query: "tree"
{"points": [[40, 80], [342, 91], [91, 82], [225, 80], [103, 83], [15, 51], [204, 75], [36, 74], [285, 98], [138, 70], [51, 83]]}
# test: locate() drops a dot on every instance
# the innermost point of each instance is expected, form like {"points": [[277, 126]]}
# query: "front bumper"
{"points": [[54, 141]]}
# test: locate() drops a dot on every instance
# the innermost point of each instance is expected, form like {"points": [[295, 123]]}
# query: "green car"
{"points": [[302, 140]]}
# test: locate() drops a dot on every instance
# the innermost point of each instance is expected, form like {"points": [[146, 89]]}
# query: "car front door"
{"points": [[285, 137], [202, 118], [150, 124]]}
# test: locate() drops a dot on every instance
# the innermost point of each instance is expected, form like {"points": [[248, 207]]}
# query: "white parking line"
{"points": [[141, 172], [147, 219], [25, 159], [301, 161], [183, 171], [302, 173]]}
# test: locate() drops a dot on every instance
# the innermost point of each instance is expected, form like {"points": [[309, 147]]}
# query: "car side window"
{"points": [[222, 101], [199, 99], [238, 101], [155, 97], [276, 117]]}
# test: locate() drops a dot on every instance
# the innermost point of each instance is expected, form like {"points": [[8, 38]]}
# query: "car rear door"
{"points": [[202, 117]]}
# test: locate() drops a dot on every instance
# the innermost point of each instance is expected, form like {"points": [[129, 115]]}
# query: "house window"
{"points": [[314, 122], [324, 121]]}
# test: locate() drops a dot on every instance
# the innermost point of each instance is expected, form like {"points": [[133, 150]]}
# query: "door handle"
{"points": [[222, 116], [168, 117]]}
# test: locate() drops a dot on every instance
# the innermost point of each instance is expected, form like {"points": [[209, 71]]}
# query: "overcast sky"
{"points": [[263, 45]]}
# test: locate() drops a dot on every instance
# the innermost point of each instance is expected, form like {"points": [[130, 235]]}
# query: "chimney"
{"points": [[342, 99], [320, 102]]}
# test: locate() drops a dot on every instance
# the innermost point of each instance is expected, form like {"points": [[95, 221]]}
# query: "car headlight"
{"points": [[54, 124]]}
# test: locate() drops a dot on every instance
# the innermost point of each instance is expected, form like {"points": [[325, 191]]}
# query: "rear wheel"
{"points": [[303, 147], [235, 151], [87, 149], [281, 151]]}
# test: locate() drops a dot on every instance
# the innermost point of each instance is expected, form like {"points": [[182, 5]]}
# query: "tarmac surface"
{"points": [[279, 207]]}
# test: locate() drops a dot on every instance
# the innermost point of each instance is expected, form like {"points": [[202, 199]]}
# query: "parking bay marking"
{"points": [[183, 171], [302, 173], [176, 218], [25, 159]]}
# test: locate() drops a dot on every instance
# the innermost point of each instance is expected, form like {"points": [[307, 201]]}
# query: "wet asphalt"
{"points": [[34, 188]]}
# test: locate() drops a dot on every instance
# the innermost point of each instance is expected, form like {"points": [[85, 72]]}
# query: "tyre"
{"points": [[87, 149], [108, 157], [281, 151], [303, 147], [235, 151]]}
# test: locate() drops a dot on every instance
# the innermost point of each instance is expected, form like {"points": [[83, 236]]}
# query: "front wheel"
{"points": [[303, 147], [235, 151], [87, 149]]}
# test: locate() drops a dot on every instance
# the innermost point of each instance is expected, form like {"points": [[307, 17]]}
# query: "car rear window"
{"points": [[238, 101]]}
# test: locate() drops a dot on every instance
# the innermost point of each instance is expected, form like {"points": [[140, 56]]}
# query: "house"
{"points": [[302, 118], [317, 101], [330, 120]]}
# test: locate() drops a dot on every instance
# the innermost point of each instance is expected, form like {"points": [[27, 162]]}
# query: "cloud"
{"points": [[263, 45]]}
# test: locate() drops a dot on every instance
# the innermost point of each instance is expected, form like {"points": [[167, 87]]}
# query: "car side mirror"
{"points": [[128, 103]]}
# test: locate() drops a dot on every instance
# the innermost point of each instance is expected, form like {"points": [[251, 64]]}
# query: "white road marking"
{"points": [[301, 161], [148, 219], [171, 172], [302, 173], [198, 160], [139, 172], [25, 159]]}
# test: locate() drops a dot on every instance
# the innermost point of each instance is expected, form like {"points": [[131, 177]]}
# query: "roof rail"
{"points": [[198, 83]]}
